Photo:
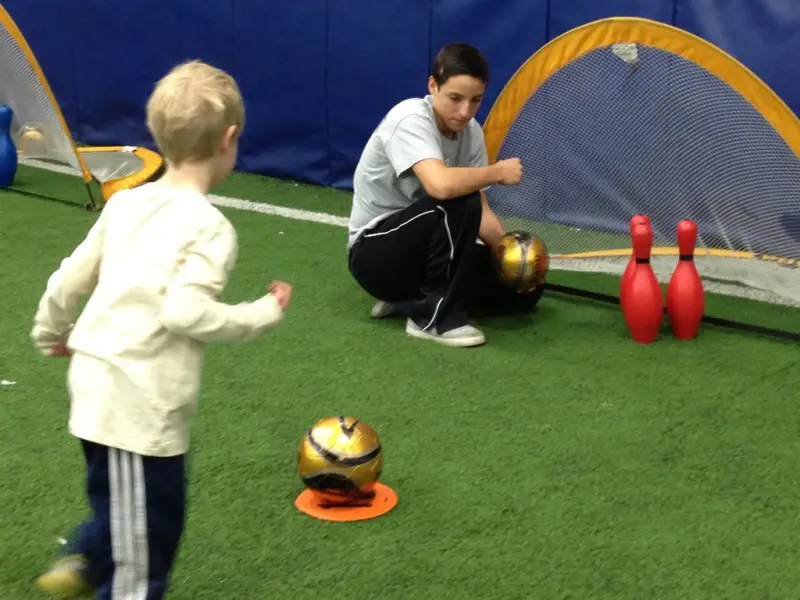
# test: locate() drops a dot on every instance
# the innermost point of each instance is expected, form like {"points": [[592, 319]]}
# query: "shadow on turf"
{"points": [[710, 323], [495, 322], [38, 196], [517, 321]]}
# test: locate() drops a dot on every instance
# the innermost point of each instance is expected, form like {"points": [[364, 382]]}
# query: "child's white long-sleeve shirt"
{"points": [[155, 263]]}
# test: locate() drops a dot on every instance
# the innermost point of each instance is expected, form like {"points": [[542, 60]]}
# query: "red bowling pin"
{"points": [[643, 304], [685, 293], [626, 276]]}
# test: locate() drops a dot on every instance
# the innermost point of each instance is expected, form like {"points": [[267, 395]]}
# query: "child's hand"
{"points": [[59, 350], [282, 292]]}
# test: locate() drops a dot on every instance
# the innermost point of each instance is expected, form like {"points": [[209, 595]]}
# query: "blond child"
{"points": [[154, 264]]}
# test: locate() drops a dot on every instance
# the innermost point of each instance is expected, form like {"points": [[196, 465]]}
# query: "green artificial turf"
{"points": [[561, 460]]}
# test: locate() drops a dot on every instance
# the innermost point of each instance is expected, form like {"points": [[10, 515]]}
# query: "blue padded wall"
{"points": [[280, 63], [377, 55], [318, 75], [506, 37], [574, 13], [118, 53], [43, 34], [762, 34]]}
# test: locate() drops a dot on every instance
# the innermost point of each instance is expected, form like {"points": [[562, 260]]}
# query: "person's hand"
{"points": [[509, 171], [282, 292], [59, 350]]}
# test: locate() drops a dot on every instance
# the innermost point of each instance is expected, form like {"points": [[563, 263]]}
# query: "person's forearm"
{"points": [[207, 320], [445, 183], [460, 181]]}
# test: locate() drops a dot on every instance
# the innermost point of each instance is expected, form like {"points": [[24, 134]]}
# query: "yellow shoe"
{"points": [[67, 578]]}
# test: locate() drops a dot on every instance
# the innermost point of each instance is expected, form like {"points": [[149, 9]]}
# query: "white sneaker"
{"points": [[382, 309], [465, 336]]}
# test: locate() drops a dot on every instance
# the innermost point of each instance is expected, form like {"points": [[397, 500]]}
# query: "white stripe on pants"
{"points": [[128, 525], [449, 239]]}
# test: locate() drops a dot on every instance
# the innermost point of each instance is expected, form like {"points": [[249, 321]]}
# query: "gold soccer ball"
{"points": [[522, 261], [340, 459]]}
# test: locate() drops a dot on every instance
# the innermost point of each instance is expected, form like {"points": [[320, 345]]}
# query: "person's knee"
{"points": [[466, 211], [474, 210], [470, 202]]}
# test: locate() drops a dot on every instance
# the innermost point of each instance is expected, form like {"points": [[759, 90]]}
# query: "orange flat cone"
{"points": [[385, 499]]}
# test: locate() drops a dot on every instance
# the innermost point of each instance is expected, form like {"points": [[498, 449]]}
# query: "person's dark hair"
{"points": [[459, 58]]}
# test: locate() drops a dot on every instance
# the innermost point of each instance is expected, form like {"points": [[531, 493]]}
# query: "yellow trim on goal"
{"points": [[673, 251], [15, 32], [151, 165], [573, 44]]}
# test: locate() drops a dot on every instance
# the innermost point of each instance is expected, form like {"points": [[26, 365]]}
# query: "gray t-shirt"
{"points": [[384, 182]]}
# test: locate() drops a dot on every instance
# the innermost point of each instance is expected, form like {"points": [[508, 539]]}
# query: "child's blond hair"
{"points": [[190, 109]]}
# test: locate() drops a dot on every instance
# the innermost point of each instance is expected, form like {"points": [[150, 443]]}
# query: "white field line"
{"points": [[719, 287], [237, 203]]}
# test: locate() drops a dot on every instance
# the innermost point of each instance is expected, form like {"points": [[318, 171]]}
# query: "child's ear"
{"points": [[228, 137]]}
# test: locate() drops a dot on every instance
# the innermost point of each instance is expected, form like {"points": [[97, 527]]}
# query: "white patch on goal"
{"points": [[626, 51]]}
